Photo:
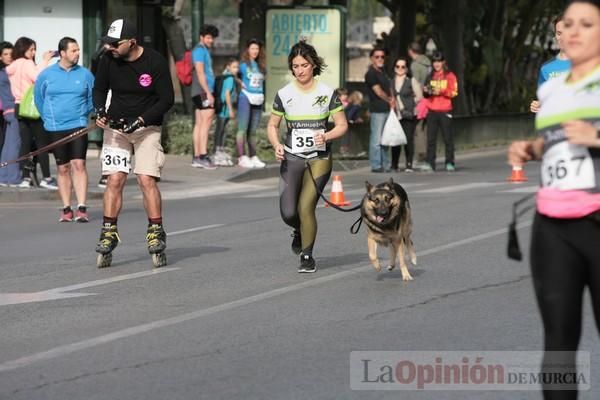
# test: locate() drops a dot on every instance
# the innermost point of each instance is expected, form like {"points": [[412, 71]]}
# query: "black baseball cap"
{"points": [[119, 29]]}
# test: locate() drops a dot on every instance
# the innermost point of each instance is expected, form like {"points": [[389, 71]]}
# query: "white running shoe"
{"points": [[25, 184], [219, 159], [227, 155], [245, 162], [257, 163]]}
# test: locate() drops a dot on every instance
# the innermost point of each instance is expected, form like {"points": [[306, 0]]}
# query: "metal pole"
{"points": [[197, 19]]}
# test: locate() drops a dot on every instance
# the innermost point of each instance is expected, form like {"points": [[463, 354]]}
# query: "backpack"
{"points": [[219, 104], [185, 68]]}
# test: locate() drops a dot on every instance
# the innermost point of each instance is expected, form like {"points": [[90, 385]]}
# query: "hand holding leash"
{"points": [[124, 125], [132, 126], [101, 118]]}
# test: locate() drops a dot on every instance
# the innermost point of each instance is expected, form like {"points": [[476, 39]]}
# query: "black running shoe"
{"points": [[296, 242], [307, 264]]}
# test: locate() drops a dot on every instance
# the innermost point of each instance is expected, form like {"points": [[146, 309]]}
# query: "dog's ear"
{"points": [[390, 182], [368, 186]]}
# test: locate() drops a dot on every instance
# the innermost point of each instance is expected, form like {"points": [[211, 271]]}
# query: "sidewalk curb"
{"points": [[27, 195], [272, 170], [13, 195]]}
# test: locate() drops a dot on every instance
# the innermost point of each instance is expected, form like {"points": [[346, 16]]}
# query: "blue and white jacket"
{"points": [[64, 98]]}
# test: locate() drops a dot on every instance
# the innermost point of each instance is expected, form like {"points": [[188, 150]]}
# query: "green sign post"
{"points": [[322, 27]]}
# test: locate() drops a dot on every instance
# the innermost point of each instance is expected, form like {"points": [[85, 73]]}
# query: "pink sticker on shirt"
{"points": [[145, 80]]}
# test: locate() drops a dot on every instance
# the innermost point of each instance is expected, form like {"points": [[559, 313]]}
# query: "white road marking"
{"points": [[208, 190], [22, 298], [136, 330], [58, 293], [112, 279], [522, 189], [265, 195], [200, 228], [457, 188]]}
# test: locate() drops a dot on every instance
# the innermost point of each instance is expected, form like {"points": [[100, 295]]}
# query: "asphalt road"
{"points": [[230, 318]]}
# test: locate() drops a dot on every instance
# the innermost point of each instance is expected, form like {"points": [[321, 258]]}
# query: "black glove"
{"points": [[132, 126], [101, 113]]}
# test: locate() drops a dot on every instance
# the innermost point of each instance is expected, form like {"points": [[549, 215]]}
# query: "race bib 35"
{"points": [[303, 141]]}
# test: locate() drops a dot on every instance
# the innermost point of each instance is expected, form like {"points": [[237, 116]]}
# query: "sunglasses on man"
{"points": [[116, 45]]}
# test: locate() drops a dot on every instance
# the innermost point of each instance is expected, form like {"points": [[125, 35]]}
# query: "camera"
{"points": [[427, 90]]}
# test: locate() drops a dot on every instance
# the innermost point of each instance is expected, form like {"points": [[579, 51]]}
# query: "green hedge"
{"points": [[177, 137]]}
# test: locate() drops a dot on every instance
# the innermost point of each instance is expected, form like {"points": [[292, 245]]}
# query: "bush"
{"points": [[177, 137]]}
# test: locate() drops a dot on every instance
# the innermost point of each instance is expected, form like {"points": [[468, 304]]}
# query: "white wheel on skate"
{"points": [[104, 260], [159, 260]]}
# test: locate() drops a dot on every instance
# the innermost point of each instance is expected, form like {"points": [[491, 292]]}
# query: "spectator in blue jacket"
{"points": [[63, 95]]}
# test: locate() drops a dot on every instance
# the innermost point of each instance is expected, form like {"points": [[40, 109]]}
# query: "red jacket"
{"points": [[446, 82]]}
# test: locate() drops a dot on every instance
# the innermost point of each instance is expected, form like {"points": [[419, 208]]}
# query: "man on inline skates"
{"points": [[141, 93]]}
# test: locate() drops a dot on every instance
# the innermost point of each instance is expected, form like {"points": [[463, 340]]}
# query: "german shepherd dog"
{"points": [[386, 212]]}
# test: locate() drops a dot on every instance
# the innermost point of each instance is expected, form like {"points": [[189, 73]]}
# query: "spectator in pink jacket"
{"points": [[22, 73]]}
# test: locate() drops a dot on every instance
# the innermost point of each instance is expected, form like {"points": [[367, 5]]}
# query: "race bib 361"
{"points": [[115, 159]]}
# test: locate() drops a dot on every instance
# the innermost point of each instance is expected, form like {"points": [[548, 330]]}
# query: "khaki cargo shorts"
{"points": [[118, 149]]}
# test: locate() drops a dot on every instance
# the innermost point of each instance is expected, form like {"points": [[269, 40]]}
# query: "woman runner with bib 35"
{"points": [[306, 105], [565, 250]]}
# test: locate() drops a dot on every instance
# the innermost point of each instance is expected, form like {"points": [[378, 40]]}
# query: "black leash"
{"points": [[354, 228], [66, 139], [514, 250]]}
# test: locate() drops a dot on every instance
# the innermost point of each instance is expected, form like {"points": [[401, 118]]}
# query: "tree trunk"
{"points": [[451, 20], [407, 22], [176, 44], [252, 14]]}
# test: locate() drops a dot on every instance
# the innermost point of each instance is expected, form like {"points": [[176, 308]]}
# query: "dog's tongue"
{"points": [[379, 218]]}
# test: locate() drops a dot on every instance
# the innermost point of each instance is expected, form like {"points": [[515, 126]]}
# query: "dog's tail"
{"points": [[411, 251]]}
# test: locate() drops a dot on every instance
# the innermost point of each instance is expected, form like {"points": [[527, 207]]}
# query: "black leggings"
{"points": [[565, 258], [220, 133], [32, 132], [408, 126], [439, 121], [298, 197]]}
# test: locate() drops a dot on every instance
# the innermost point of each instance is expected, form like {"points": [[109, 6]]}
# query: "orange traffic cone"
{"points": [[517, 174], [337, 193]]}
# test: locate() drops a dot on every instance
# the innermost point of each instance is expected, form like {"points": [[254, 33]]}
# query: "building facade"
{"points": [[48, 21]]}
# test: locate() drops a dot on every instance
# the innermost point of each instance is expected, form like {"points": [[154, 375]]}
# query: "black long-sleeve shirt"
{"points": [[139, 88]]}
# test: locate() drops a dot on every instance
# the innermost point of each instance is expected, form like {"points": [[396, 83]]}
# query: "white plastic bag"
{"points": [[393, 134]]}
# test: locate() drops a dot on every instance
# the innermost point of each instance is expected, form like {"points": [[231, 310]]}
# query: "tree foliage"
{"points": [[495, 47]]}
